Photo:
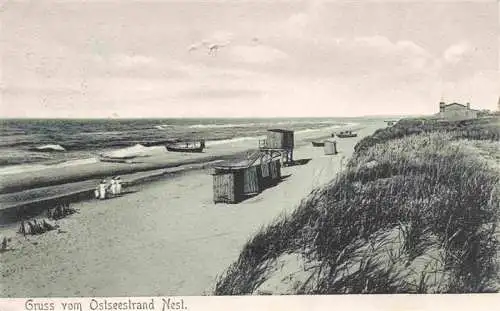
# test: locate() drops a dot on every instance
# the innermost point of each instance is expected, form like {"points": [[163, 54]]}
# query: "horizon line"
{"points": [[212, 117]]}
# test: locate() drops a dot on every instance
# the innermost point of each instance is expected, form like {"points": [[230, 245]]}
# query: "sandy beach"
{"points": [[41, 176], [164, 237]]}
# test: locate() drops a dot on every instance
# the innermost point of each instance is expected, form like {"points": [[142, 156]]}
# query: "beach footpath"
{"points": [[163, 237]]}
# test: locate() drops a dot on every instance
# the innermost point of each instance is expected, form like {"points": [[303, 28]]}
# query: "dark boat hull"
{"points": [[115, 160], [318, 144], [184, 149], [347, 136], [189, 146]]}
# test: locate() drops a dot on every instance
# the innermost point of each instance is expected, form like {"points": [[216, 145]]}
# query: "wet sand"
{"points": [[164, 238]]}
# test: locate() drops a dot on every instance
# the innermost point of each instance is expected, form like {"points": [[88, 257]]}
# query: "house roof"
{"points": [[280, 130], [455, 104]]}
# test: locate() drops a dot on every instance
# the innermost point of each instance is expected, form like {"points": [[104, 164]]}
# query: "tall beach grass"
{"points": [[411, 213]]}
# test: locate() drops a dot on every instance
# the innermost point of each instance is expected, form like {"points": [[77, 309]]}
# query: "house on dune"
{"points": [[456, 112]]}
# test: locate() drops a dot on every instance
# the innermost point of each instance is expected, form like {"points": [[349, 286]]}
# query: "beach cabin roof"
{"points": [[240, 163]]}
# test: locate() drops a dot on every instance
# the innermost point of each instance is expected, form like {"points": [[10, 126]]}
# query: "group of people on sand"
{"points": [[109, 189], [60, 211], [35, 227]]}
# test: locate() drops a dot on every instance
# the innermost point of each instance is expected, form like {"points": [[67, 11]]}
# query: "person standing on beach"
{"points": [[22, 229], [112, 186], [97, 192], [118, 185], [102, 190]]}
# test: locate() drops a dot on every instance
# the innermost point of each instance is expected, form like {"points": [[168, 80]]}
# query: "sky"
{"points": [[134, 59]]}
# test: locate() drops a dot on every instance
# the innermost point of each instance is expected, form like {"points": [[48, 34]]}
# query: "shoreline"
{"points": [[169, 229], [45, 177], [23, 168]]}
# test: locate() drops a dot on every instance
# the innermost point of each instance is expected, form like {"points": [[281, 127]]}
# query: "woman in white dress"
{"points": [[102, 189], [118, 182], [112, 186]]}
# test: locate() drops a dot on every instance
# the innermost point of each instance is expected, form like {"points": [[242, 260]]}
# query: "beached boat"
{"points": [[346, 134], [115, 160], [318, 143], [197, 146]]}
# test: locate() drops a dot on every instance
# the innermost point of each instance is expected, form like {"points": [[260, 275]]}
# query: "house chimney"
{"points": [[441, 106], [468, 106]]}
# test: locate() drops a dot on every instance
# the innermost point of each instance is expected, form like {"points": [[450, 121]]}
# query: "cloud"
{"points": [[359, 57], [302, 20], [481, 89], [457, 52], [221, 36], [219, 93], [129, 61], [131, 65], [462, 60], [298, 21], [256, 54], [37, 90], [385, 45]]}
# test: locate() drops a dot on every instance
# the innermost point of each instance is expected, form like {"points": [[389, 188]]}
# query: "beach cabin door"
{"points": [[224, 188], [251, 180]]}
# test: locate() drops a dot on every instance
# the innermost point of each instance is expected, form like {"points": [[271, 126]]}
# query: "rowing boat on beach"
{"points": [[318, 143], [346, 134], [115, 160], [187, 146]]}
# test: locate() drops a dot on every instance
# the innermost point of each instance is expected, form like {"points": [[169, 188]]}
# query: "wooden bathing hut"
{"points": [[330, 147], [233, 181], [279, 142]]}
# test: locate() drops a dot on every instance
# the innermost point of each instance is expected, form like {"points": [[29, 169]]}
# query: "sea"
{"points": [[27, 142]]}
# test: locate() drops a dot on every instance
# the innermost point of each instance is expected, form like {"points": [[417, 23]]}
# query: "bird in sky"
{"points": [[193, 47], [214, 48]]}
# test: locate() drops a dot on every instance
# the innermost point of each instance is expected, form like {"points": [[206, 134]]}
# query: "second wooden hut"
{"points": [[279, 141]]}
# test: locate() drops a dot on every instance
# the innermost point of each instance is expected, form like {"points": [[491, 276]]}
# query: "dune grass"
{"points": [[478, 129], [439, 198]]}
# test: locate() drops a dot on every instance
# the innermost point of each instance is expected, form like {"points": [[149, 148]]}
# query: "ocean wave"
{"points": [[229, 125], [134, 152], [26, 168], [50, 148], [299, 132], [162, 127], [266, 123], [232, 140], [77, 162], [311, 130]]}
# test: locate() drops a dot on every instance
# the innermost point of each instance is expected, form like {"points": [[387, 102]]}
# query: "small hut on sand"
{"points": [[330, 147], [235, 180]]}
